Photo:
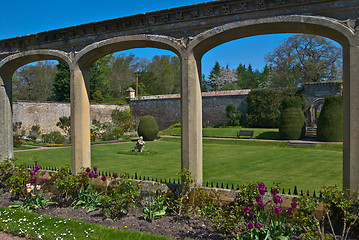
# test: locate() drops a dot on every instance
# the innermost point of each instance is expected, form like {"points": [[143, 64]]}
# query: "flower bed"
{"points": [[251, 212]]}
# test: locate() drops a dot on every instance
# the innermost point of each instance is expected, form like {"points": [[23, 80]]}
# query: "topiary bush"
{"points": [[330, 122], [292, 120], [234, 116], [148, 128]]}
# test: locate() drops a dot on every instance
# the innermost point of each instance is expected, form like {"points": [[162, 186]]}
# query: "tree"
{"points": [[121, 73], [304, 58], [98, 79], [61, 83], [213, 75], [65, 124], [162, 75], [247, 78], [33, 81]]}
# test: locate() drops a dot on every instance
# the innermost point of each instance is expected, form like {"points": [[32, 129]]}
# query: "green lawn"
{"points": [[227, 161], [230, 132]]}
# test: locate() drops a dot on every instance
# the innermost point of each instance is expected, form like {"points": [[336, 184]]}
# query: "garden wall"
{"points": [[47, 114], [167, 108]]}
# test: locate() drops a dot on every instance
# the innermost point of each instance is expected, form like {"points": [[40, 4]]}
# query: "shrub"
{"points": [[65, 124], [123, 119], [330, 122], [292, 120], [54, 137], [233, 115], [148, 128], [263, 106]]}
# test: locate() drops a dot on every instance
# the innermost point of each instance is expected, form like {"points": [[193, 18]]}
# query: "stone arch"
{"points": [[91, 53], [322, 26], [8, 66], [312, 112]]}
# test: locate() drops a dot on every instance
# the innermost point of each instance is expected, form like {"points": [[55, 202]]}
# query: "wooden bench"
{"points": [[246, 133]]}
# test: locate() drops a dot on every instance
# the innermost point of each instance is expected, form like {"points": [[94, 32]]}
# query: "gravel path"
{"points": [[8, 236]]}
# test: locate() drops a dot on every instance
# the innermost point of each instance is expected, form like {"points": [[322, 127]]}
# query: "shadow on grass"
{"points": [[144, 153], [268, 135]]}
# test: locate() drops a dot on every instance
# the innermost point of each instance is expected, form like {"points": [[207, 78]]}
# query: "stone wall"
{"points": [[167, 108], [47, 114]]}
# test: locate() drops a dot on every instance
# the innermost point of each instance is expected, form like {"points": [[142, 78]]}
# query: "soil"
{"points": [[178, 227]]}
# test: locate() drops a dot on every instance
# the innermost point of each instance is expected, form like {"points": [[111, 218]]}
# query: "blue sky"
{"points": [[22, 17]]}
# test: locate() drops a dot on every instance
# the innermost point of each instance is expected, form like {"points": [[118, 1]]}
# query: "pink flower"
{"points": [[79, 185], [289, 211], [95, 169], [115, 175], [258, 225], [84, 175], [44, 180], [88, 169], [258, 198], [261, 185], [95, 175], [32, 195], [33, 180], [250, 226], [260, 204], [274, 191], [91, 175], [246, 209], [277, 199], [103, 178], [38, 187], [28, 190], [37, 167], [277, 210], [251, 215], [28, 185], [32, 172], [32, 187], [293, 204], [262, 191]]}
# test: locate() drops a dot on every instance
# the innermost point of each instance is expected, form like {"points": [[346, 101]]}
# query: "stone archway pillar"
{"points": [[6, 130], [80, 118], [351, 117], [191, 125]]}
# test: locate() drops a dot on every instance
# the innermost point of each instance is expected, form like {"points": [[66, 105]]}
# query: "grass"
{"points": [[230, 132], [44, 227], [227, 161]]}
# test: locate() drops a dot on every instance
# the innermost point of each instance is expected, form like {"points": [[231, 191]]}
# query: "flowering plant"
{"points": [[267, 220]]}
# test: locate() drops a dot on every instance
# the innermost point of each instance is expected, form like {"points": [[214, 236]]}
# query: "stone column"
{"points": [[191, 112], [80, 118], [351, 118], [6, 131]]}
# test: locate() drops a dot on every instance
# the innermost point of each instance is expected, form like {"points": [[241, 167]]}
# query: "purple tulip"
{"points": [[32, 172], [274, 191], [88, 170], [246, 209], [250, 226], [277, 199], [262, 191], [289, 211], [115, 175], [261, 185], [293, 204], [258, 225], [95, 169], [44, 180], [277, 210], [84, 175], [251, 215], [103, 178], [79, 185], [95, 175], [258, 198], [91, 175], [37, 167], [33, 180], [260, 204]]}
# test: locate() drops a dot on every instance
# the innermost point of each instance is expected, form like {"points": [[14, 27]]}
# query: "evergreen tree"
{"points": [[213, 75], [61, 84]]}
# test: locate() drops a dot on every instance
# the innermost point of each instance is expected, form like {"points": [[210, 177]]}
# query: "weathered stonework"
{"points": [[47, 114]]}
